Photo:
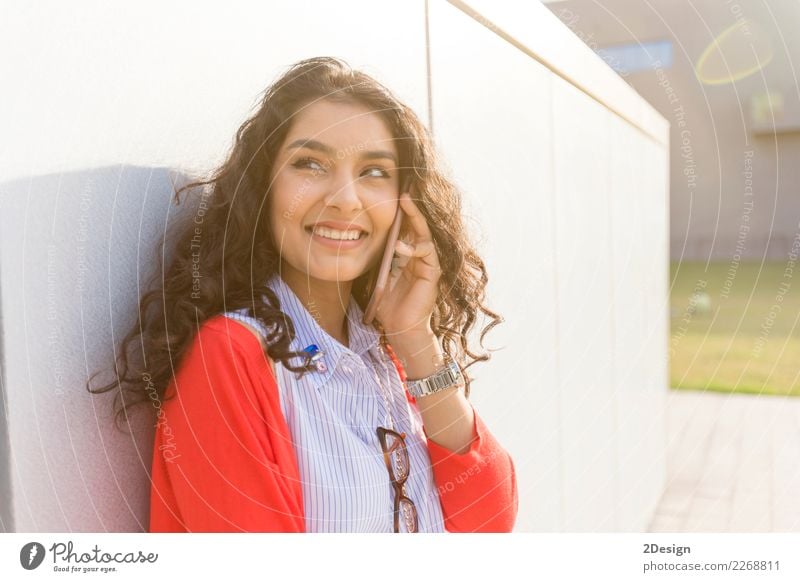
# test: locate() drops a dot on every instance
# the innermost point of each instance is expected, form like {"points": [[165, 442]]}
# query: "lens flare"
{"points": [[738, 52]]}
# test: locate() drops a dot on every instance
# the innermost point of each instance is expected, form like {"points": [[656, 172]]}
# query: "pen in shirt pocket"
{"points": [[316, 357]]}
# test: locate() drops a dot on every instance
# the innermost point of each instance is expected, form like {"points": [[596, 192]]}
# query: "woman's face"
{"points": [[335, 178]]}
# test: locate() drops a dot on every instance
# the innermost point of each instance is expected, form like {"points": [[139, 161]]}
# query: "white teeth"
{"points": [[337, 234]]}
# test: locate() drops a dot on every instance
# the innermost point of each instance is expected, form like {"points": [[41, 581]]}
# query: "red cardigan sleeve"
{"points": [[478, 488], [223, 460]]}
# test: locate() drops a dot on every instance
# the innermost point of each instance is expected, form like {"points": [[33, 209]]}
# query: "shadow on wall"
{"points": [[77, 250], [6, 522]]}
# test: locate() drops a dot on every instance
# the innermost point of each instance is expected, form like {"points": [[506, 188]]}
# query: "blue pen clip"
{"points": [[316, 357]]}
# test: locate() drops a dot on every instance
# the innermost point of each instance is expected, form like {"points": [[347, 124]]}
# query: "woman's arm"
{"points": [[474, 474], [478, 488], [223, 460]]}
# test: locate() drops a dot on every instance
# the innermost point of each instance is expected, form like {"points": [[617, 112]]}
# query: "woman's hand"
{"points": [[408, 302]]}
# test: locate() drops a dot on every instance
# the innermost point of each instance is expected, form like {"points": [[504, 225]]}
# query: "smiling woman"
{"points": [[343, 159], [279, 409]]}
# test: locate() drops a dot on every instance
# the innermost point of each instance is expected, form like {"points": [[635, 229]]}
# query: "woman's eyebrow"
{"points": [[313, 144]]}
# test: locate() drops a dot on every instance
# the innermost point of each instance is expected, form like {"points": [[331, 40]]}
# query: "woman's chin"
{"points": [[334, 275]]}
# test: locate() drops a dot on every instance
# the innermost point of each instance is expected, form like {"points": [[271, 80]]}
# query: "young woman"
{"points": [[284, 411]]}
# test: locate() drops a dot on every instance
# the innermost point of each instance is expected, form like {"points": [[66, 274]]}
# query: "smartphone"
{"points": [[386, 262]]}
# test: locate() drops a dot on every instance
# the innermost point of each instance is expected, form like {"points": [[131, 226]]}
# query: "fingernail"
{"points": [[403, 247]]}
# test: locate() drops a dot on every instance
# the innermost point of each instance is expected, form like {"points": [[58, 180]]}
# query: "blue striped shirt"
{"points": [[333, 415]]}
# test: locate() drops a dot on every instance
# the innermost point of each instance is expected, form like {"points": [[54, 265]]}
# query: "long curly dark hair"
{"points": [[238, 255]]}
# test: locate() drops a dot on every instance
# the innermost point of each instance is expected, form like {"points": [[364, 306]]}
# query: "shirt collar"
{"points": [[363, 338]]}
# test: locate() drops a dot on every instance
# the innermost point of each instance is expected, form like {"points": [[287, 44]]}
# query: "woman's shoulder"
{"points": [[247, 336], [226, 342], [223, 346]]}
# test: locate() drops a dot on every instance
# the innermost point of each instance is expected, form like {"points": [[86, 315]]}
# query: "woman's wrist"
{"points": [[447, 415], [420, 353]]}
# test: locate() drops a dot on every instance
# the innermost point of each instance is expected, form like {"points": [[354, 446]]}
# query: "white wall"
{"points": [[140, 85], [167, 83], [563, 165]]}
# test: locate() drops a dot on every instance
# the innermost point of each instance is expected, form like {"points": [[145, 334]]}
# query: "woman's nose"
{"points": [[344, 195]]}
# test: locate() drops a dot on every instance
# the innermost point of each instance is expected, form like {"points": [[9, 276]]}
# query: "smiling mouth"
{"points": [[336, 235]]}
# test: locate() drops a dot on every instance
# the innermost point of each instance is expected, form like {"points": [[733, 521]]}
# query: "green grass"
{"points": [[736, 346]]}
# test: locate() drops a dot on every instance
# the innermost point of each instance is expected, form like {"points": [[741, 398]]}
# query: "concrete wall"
{"points": [[565, 173], [566, 168]]}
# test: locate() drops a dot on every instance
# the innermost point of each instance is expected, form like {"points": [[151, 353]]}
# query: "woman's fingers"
{"points": [[423, 250], [415, 218], [421, 247], [399, 263]]}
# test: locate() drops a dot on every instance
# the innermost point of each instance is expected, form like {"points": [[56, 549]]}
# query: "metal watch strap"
{"points": [[447, 377]]}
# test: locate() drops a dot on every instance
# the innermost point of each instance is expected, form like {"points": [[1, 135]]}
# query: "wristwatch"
{"points": [[447, 377]]}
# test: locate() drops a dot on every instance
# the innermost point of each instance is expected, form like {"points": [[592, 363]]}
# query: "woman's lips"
{"points": [[338, 244]]}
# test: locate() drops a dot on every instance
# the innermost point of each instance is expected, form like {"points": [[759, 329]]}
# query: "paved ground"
{"points": [[733, 464]]}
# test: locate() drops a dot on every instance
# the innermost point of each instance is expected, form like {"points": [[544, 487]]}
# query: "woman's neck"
{"points": [[326, 301]]}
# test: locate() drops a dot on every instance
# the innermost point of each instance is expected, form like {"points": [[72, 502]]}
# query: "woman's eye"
{"points": [[381, 173], [308, 163], [315, 166]]}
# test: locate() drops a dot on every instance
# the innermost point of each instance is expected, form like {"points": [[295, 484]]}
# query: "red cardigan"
{"points": [[223, 459]]}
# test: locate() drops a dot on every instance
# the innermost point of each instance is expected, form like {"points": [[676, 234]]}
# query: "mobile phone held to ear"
{"points": [[386, 262]]}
